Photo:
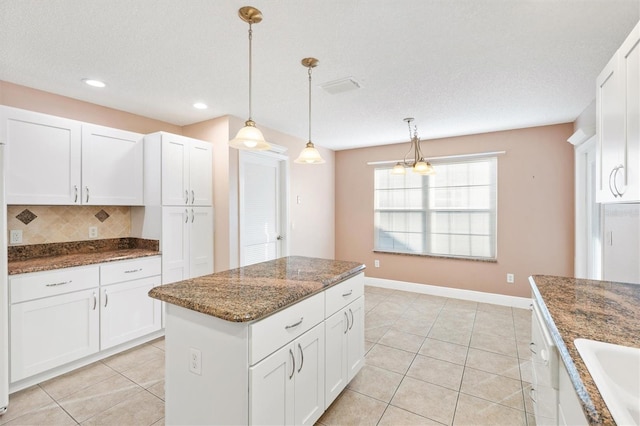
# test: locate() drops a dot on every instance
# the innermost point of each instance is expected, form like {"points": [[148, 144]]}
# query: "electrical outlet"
{"points": [[93, 232], [376, 263], [195, 361], [510, 278], [15, 236]]}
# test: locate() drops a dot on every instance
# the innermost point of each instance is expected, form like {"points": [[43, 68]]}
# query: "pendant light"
{"points": [[249, 137], [310, 154], [419, 165]]}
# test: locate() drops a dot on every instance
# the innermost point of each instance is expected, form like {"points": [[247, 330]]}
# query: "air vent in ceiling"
{"points": [[342, 85]]}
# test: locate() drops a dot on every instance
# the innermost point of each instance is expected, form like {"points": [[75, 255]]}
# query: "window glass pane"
{"points": [[450, 213]]}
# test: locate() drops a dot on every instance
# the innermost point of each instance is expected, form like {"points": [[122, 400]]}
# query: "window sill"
{"points": [[435, 256]]}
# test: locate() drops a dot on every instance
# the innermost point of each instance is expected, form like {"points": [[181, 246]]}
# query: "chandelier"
{"points": [[419, 164]]}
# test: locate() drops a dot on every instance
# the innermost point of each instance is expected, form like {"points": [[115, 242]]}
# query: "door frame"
{"points": [[278, 153], [586, 223]]}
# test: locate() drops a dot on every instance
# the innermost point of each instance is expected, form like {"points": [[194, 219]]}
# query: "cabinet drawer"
{"points": [[277, 330], [50, 283], [340, 295], [128, 270]]}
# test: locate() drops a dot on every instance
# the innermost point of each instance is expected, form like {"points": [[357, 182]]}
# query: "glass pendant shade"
{"points": [[423, 168], [398, 169], [309, 155], [249, 138]]}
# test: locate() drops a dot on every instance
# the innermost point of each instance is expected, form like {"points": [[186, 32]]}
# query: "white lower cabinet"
{"points": [[287, 387], [64, 315], [344, 333], [49, 332], [127, 312]]}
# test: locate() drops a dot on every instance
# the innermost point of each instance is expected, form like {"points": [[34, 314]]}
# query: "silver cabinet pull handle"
{"points": [[293, 364], [532, 394], [193, 196], [531, 345], [87, 189], [106, 299], [60, 283], [95, 301], [193, 216], [294, 325], [347, 323], [186, 196], [351, 312], [186, 213], [349, 293], [611, 187], [615, 185], [301, 357], [75, 193], [131, 271]]}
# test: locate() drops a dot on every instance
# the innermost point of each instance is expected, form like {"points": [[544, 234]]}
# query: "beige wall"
{"points": [[535, 211], [30, 99]]}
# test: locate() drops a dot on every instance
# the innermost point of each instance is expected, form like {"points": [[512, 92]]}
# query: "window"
{"points": [[451, 213]]}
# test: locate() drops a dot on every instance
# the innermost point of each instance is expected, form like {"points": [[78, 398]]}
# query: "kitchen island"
{"points": [[270, 343]]}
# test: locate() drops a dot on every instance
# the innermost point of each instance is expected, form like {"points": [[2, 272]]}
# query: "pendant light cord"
{"points": [[250, 68], [309, 104]]}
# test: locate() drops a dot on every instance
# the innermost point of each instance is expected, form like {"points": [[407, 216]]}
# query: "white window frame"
{"points": [[427, 212]]}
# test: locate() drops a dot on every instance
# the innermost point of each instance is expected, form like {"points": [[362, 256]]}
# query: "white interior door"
{"points": [[261, 207]]}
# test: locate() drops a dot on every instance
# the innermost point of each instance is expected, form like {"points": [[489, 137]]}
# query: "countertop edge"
{"points": [[588, 407]]}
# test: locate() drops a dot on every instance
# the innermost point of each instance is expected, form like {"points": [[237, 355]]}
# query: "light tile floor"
{"points": [[429, 361]]}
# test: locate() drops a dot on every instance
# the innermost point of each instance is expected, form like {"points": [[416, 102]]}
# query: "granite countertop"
{"points": [[46, 257], [256, 291], [598, 310]]}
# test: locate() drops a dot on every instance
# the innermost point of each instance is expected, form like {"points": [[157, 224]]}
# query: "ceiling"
{"points": [[457, 66]]}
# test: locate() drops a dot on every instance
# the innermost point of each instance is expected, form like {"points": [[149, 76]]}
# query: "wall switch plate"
{"points": [[15, 236], [195, 361], [376, 263], [93, 232], [510, 278]]}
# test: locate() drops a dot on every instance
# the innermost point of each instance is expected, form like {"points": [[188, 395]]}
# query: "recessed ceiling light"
{"points": [[93, 83], [200, 105]]}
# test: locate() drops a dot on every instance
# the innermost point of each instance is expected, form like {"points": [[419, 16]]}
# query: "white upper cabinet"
{"points": [[111, 166], [42, 158], [618, 124], [56, 161], [186, 169]]}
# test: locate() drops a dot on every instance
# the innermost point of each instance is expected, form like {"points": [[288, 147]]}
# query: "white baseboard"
{"points": [[455, 293]]}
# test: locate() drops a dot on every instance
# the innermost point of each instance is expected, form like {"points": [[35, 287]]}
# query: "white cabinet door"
{"points": [[49, 332], [336, 375], [610, 129], [355, 338], [271, 389], [175, 244], [175, 170], [287, 387], [127, 311], [309, 376], [200, 241], [630, 75], [43, 158], [200, 173], [111, 166]]}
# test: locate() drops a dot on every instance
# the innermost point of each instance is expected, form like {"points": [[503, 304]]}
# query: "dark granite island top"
{"points": [[598, 310], [256, 291]]}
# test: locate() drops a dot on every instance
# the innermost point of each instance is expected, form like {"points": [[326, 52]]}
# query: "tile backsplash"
{"points": [[58, 224]]}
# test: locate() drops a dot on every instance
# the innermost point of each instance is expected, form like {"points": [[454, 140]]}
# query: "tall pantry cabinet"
{"points": [[178, 211]]}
